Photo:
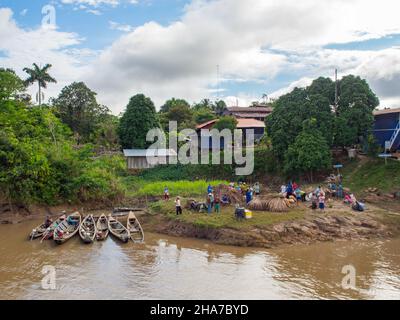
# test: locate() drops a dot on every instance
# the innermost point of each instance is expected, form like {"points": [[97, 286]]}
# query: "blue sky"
{"points": [[171, 48]]}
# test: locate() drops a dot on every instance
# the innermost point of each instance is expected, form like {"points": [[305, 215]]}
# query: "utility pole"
{"points": [[217, 82]]}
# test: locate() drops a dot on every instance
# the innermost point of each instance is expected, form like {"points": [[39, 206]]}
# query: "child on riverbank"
{"points": [[217, 204], [166, 194]]}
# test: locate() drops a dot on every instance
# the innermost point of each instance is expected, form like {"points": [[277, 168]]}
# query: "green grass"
{"points": [[139, 187], [226, 218], [361, 175]]}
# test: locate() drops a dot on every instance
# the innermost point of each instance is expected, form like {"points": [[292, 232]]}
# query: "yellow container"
{"points": [[248, 214]]}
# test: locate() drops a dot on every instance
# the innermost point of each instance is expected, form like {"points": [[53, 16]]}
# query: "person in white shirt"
{"points": [[178, 206]]}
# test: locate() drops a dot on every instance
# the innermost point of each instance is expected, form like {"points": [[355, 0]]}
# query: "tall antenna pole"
{"points": [[217, 81], [336, 92]]}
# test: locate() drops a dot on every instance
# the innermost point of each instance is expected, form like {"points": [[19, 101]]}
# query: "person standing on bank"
{"points": [[178, 206]]}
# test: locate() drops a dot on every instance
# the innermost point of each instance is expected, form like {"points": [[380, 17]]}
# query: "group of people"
{"points": [[246, 190], [214, 200], [292, 189]]}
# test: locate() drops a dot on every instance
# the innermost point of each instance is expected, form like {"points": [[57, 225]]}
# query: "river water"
{"points": [[175, 268]]}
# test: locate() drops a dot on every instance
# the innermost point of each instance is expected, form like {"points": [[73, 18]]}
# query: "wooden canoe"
{"points": [[87, 229], [135, 229], [67, 228], [117, 229], [102, 228], [38, 232], [44, 232]]}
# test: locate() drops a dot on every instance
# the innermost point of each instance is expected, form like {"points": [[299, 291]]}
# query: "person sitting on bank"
{"points": [[225, 199]]}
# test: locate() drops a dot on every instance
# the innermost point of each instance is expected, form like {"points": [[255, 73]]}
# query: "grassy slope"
{"points": [[140, 187], [360, 175], [226, 218]]}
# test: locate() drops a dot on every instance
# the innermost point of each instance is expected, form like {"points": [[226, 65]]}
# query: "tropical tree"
{"points": [[289, 113], [309, 152], [203, 115], [226, 122], [219, 107], [166, 107], [41, 76], [356, 105], [10, 84], [203, 104], [78, 108], [138, 118]]}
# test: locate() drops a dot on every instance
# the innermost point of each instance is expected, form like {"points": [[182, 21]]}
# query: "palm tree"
{"points": [[41, 76]]}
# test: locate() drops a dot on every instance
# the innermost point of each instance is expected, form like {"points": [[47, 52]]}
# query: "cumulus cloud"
{"points": [[120, 27], [253, 40], [43, 45]]}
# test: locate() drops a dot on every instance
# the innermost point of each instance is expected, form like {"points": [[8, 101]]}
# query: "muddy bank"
{"points": [[306, 231]]}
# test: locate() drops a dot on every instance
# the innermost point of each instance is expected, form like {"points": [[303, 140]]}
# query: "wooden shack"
{"points": [[148, 158]]}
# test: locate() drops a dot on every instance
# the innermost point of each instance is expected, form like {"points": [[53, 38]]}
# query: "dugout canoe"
{"points": [[117, 229], [134, 227], [67, 228]]}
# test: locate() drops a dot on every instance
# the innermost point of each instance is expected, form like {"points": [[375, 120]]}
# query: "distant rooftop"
{"points": [[260, 109], [250, 123], [386, 111], [149, 152], [242, 123]]}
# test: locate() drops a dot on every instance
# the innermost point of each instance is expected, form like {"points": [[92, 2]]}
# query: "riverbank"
{"points": [[300, 225], [268, 229]]}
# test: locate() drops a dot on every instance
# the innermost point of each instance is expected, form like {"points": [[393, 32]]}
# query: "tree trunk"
{"points": [[40, 95]]}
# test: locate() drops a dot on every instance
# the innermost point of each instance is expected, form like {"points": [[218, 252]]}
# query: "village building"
{"points": [[243, 124], [387, 129], [148, 158], [254, 112]]}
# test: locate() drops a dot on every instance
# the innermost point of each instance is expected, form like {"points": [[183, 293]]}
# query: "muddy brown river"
{"points": [[175, 268]]}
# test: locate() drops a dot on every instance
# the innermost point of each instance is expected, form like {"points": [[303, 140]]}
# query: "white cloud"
{"points": [[95, 12], [250, 40], [94, 3], [42, 45], [23, 12], [120, 27]]}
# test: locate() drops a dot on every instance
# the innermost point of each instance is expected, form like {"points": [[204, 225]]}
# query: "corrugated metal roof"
{"points": [[149, 152], [242, 123], [250, 123], [249, 115], [251, 109], [205, 124], [386, 111]]}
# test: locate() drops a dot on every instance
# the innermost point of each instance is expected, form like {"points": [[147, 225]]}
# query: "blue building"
{"points": [[387, 128]]}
